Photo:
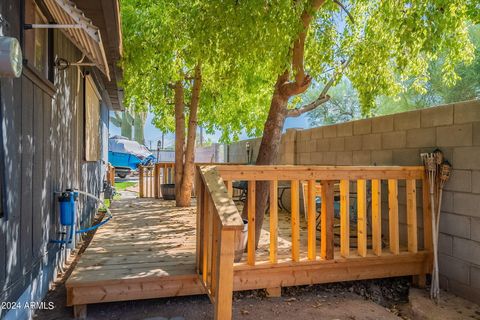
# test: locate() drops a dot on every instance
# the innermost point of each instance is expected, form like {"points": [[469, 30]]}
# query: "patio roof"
{"points": [[87, 37]]}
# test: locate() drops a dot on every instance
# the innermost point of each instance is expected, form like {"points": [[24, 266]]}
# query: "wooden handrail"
{"points": [[287, 172], [151, 177], [223, 203], [217, 221]]}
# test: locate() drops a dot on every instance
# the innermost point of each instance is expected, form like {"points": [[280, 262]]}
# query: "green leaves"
{"points": [[244, 45]]}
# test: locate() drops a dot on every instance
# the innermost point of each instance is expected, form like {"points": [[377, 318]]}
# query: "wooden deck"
{"points": [[146, 251]]}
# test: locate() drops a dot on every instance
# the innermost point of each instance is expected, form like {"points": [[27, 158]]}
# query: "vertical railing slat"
{"points": [[362, 217], [210, 253], [251, 223], [295, 221], [311, 220], [140, 181], [155, 181], [393, 216], [273, 220], [327, 244], [200, 220], [377, 217], [165, 173], [412, 216], [345, 218], [229, 188], [206, 228], [215, 256]]}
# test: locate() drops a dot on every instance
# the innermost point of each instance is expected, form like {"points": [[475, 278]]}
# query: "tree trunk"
{"points": [[268, 152], [189, 158], [179, 136]]}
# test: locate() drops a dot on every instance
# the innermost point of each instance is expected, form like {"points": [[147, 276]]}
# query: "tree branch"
{"points": [[345, 9], [299, 44], [309, 107], [323, 96]]}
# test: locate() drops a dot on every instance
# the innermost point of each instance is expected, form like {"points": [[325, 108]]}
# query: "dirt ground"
{"points": [[313, 302]]}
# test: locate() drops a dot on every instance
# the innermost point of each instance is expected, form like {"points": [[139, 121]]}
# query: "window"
{"points": [[37, 40], [92, 121]]}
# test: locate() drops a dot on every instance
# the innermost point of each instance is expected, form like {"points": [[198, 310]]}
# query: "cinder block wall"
{"points": [[398, 140]]}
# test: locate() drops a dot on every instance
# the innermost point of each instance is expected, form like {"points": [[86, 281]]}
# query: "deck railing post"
{"points": [[156, 184], [377, 217], [393, 234], [345, 218], [295, 220], [224, 277], [362, 217], [140, 181], [311, 221], [200, 220], [273, 220], [327, 244]]}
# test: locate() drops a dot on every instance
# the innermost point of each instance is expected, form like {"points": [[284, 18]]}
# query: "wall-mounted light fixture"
{"points": [[11, 61]]}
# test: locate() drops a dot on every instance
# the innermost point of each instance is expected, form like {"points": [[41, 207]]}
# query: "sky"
{"points": [[153, 135]]}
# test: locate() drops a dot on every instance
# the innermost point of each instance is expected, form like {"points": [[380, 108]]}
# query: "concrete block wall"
{"points": [[398, 140]]}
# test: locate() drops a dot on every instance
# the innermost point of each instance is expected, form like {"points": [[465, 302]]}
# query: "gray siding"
{"points": [[43, 145]]}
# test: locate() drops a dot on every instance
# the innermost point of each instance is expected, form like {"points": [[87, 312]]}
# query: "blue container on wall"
{"points": [[67, 208]]}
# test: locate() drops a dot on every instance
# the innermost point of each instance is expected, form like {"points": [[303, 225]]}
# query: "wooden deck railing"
{"points": [[328, 178], [150, 178], [300, 263], [217, 221], [111, 174]]}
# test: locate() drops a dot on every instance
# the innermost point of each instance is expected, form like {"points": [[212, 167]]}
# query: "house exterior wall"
{"points": [[398, 140], [43, 130]]}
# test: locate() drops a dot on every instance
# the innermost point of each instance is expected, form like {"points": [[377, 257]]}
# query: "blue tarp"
{"points": [[123, 152]]}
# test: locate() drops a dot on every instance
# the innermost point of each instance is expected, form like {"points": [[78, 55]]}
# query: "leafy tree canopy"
{"points": [[243, 45]]}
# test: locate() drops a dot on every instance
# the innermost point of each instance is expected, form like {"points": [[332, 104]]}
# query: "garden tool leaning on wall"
{"points": [[438, 172]]}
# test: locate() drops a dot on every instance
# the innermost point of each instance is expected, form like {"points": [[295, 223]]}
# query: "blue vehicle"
{"points": [[126, 155]]}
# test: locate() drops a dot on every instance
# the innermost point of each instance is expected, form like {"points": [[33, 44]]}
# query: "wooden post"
{"points": [[224, 278], [80, 311], [209, 233], [147, 182], [140, 181], [393, 216], [206, 232], [295, 220], [251, 223], [155, 181], [377, 217], [274, 292], [362, 217], [216, 259], [230, 188], [200, 217], [273, 220], [327, 244], [345, 218], [412, 216], [311, 221], [165, 173]]}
